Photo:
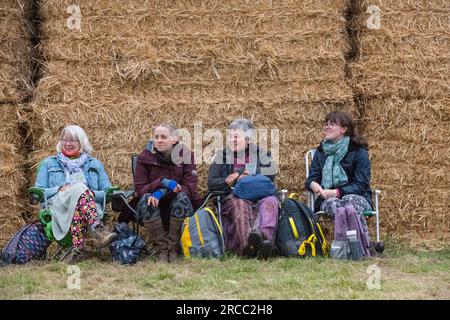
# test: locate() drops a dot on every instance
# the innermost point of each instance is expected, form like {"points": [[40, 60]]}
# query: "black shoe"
{"points": [[266, 250], [254, 244]]}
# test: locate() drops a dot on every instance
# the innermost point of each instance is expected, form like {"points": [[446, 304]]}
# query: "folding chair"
{"points": [[37, 195], [368, 214], [120, 199]]}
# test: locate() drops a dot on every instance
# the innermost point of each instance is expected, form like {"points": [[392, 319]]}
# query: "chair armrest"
{"points": [[111, 190], [36, 195]]}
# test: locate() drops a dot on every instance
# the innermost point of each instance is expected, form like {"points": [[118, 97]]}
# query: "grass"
{"points": [[405, 274]]}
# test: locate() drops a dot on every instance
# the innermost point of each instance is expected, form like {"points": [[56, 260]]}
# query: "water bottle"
{"points": [[356, 252], [283, 194]]}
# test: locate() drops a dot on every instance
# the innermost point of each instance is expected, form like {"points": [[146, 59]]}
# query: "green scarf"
{"points": [[333, 175]]}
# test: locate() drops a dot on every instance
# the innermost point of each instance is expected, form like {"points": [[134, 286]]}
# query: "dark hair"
{"points": [[345, 120]]}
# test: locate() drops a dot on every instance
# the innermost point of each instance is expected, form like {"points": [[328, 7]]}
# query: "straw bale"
{"points": [[283, 21], [15, 51], [109, 126], [407, 56], [11, 173], [191, 47], [55, 8]]}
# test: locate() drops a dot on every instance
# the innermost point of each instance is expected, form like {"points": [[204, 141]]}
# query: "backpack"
{"points": [[299, 234], [201, 235], [346, 219], [254, 188], [128, 246], [29, 243]]}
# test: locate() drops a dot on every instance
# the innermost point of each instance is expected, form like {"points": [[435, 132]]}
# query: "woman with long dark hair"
{"points": [[340, 170]]}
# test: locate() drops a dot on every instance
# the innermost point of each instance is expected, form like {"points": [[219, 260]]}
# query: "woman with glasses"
{"points": [[340, 169], [74, 184]]}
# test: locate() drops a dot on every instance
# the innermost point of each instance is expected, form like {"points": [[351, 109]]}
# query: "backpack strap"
{"points": [[311, 242], [186, 241]]}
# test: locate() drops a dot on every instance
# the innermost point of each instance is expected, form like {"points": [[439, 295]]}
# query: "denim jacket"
{"points": [[51, 176]]}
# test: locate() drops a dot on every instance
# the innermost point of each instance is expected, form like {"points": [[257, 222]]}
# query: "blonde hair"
{"points": [[173, 130], [77, 133]]}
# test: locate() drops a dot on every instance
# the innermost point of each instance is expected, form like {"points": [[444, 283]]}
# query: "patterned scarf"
{"points": [[333, 175], [72, 166]]}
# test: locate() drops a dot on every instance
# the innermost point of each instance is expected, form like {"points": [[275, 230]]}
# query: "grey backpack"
{"points": [[202, 236]]}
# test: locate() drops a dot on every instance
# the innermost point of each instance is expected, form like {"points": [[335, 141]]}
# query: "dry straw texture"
{"points": [[409, 55], [11, 175], [15, 51], [280, 63]]}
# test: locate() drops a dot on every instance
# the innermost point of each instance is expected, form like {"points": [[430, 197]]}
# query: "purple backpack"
{"points": [[29, 243], [347, 219]]}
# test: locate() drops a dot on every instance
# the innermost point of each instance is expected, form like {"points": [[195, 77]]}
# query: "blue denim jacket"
{"points": [[51, 176]]}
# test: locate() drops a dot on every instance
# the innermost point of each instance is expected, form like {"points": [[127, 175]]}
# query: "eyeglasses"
{"points": [[69, 141], [330, 124]]}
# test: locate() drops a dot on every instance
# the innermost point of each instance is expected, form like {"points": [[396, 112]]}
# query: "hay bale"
{"points": [[410, 161], [407, 56], [211, 51], [15, 51], [11, 173]]}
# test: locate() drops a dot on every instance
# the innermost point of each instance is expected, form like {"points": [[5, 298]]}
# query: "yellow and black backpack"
{"points": [[299, 234]]}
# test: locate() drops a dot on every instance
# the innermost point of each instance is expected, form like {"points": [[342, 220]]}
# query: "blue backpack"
{"points": [[128, 246], [29, 243], [254, 188]]}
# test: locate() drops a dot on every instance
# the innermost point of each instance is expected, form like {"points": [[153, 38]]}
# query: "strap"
{"points": [[293, 195], [311, 242], [214, 218], [186, 241], [294, 228], [199, 230], [324, 240]]}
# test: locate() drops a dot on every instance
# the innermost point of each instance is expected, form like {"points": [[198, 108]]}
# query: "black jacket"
{"points": [[218, 172], [356, 165]]}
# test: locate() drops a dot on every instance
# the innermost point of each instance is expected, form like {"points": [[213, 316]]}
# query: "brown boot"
{"points": [[156, 238], [103, 237], [174, 238]]}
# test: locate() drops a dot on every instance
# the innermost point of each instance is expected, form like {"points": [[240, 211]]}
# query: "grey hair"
{"points": [[78, 133], [243, 124], [173, 130]]}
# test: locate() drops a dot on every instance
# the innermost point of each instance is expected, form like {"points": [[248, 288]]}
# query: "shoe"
{"points": [[266, 250], [74, 256], [254, 244], [103, 237]]}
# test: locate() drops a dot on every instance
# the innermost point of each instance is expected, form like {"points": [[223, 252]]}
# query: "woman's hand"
{"points": [[177, 188], [317, 189], [64, 187], [231, 178], [244, 174], [152, 201], [328, 193]]}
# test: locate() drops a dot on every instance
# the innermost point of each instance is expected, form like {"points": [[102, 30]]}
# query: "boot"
{"points": [[254, 244], [75, 256], [102, 236], [156, 238], [174, 238]]}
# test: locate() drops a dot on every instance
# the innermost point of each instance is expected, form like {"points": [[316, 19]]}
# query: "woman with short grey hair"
{"points": [[249, 227]]}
